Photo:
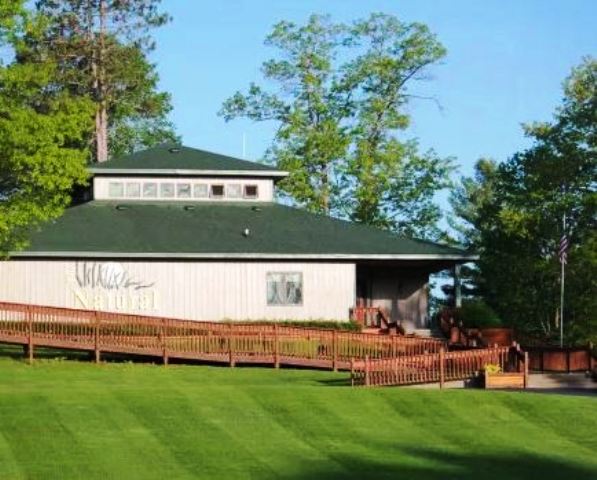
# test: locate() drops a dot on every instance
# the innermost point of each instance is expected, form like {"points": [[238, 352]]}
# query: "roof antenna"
{"points": [[244, 145]]}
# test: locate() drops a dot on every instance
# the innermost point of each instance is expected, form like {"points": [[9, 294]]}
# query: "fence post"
{"points": [[335, 350], [590, 356], [351, 372], [96, 336], [442, 367], [30, 333], [276, 347], [230, 347], [567, 360], [163, 342], [367, 379], [526, 369]]}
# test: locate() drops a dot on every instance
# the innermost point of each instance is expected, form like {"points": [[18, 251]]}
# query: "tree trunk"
{"points": [[101, 114], [325, 191], [101, 133]]}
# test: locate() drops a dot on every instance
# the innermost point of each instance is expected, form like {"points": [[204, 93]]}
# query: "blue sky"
{"points": [[505, 65]]}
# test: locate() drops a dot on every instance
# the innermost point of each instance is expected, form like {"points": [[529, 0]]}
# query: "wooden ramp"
{"points": [[441, 367], [230, 343]]}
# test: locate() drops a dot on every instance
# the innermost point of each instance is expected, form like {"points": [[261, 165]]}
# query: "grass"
{"points": [[75, 420]]}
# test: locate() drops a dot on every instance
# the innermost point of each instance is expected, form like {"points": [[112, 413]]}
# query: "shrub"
{"points": [[322, 324], [325, 324], [477, 314]]}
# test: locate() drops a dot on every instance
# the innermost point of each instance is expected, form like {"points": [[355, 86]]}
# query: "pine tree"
{"points": [[100, 47]]}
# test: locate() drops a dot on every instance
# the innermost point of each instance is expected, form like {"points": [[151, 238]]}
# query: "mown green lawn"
{"points": [[76, 420]]}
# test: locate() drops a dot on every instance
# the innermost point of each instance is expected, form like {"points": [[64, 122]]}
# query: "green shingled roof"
{"points": [[212, 229], [176, 157]]}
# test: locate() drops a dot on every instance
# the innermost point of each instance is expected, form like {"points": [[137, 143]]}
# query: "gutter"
{"points": [[199, 173], [463, 258]]}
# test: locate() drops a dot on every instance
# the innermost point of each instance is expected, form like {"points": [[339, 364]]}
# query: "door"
{"points": [[384, 294]]}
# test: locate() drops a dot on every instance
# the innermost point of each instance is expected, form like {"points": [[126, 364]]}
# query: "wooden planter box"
{"points": [[505, 380], [500, 336]]}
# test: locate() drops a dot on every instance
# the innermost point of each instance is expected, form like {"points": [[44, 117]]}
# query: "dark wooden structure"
{"points": [[558, 359]]}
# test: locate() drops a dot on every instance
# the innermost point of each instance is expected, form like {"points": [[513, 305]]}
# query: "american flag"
{"points": [[563, 250]]}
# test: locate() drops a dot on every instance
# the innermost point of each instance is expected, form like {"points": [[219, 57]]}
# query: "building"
{"points": [[179, 232]]}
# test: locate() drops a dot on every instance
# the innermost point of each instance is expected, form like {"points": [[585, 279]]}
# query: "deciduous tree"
{"points": [[339, 105], [40, 135]]}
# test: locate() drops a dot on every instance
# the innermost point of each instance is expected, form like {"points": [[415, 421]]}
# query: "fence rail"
{"points": [[435, 368], [99, 332]]}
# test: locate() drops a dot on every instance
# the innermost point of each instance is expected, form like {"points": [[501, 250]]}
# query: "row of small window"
{"points": [[180, 190]]}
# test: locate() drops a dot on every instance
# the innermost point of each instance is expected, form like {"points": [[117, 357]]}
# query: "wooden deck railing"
{"points": [[375, 317], [456, 333], [433, 368], [370, 316], [42, 326]]}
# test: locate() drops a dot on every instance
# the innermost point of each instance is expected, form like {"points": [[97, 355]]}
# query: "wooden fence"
{"points": [[435, 368], [557, 359], [370, 317], [41, 326]]}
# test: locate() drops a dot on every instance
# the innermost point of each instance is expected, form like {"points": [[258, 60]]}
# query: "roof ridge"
{"points": [[167, 146]]}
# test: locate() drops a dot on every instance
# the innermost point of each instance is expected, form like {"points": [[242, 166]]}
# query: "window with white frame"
{"points": [[250, 191], [216, 191], [233, 190], [150, 190], [179, 189], [133, 189], [284, 288], [166, 190], [116, 190], [183, 190], [200, 190]]}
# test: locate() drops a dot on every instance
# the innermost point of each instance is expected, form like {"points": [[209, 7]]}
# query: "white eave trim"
{"points": [[177, 171], [251, 256]]}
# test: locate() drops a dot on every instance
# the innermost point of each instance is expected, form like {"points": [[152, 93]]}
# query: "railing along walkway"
{"points": [[435, 368], [231, 343]]}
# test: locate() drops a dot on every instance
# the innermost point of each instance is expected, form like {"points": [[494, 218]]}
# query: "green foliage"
{"points": [[512, 215], [341, 102], [477, 314], [138, 112], [41, 131], [341, 325], [101, 49]]}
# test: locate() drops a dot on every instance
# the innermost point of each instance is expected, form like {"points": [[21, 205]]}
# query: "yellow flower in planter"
{"points": [[492, 368]]}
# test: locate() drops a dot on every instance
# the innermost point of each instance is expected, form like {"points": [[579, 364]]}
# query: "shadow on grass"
{"points": [[19, 353], [336, 382], [427, 464]]}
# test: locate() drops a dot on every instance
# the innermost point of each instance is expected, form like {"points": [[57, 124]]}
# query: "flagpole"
{"points": [[563, 263]]}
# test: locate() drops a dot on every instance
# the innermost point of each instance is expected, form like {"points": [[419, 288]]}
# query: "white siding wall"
{"points": [[265, 187], [191, 290]]}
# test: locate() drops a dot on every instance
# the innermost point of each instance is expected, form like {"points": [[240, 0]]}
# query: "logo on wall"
{"points": [[109, 286]]}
